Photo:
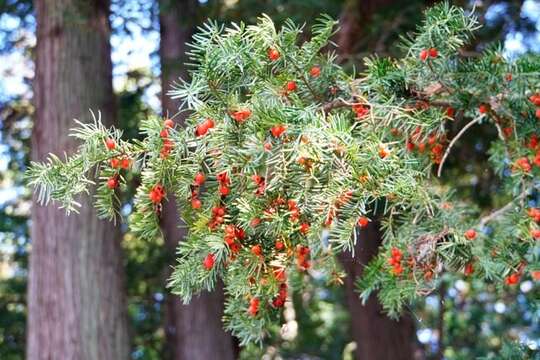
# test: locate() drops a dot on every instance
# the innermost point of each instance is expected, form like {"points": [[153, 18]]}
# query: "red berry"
{"points": [[279, 245], [241, 115], [535, 99], [112, 183], [164, 133], [267, 146], [110, 143], [201, 129], [199, 179], [168, 123], [450, 111], [224, 190], [304, 228], [209, 261], [535, 275], [469, 269], [512, 279], [256, 250], [508, 77], [196, 203], [433, 52], [396, 253], [483, 108], [470, 234], [397, 270], [315, 71], [363, 221], [115, 163], [278, 130], [209, 123], [535, 233], [424, 55], [125, 163], [253, 306], [538, 113], [280, 274], [523, 164], [291, 86], [273, 54]]}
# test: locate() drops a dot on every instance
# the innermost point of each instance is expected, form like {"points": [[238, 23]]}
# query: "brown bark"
{"points": [[377, 336], [76, 298], [193, 331]]}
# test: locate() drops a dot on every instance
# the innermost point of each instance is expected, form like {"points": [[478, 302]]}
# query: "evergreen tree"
{"points": [[284, 156]]}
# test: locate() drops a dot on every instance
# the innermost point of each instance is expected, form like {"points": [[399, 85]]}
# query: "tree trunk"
{"points": [[76, 298], [377, 337], [193, 331], [356, 19]]}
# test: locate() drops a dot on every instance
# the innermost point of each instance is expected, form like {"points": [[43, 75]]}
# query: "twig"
{"points": [[495, 214], [456, 138], [336, 103]]}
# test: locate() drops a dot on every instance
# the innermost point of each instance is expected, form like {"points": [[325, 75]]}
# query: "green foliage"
{"points": [[296, 166]]}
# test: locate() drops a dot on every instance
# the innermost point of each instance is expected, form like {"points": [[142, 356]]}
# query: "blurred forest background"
{"points": [[39, 85]]}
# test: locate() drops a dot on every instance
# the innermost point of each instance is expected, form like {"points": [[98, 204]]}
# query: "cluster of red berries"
{"points": [[524, 163], [395, 261], [534, 214], [202, 128], [209, 261], [535, 99], [470, 234], [167, 142], [360, 110], [197, 183], [241, 115], [278, 130], [260, 183], [233, 233], [253, 309], [123, 162], [428, 53], [217, 219], [157, 193], [433, 142], [224, 183], [116, 163], [293, 209], [281, 297], [302, 257]]}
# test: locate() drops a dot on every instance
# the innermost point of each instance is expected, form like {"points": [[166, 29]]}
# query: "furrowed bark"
{"points": [[76, 295]]}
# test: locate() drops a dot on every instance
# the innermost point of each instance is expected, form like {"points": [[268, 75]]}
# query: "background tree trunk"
{"points": [[377, 336], [193, 331], [76, 298]]}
